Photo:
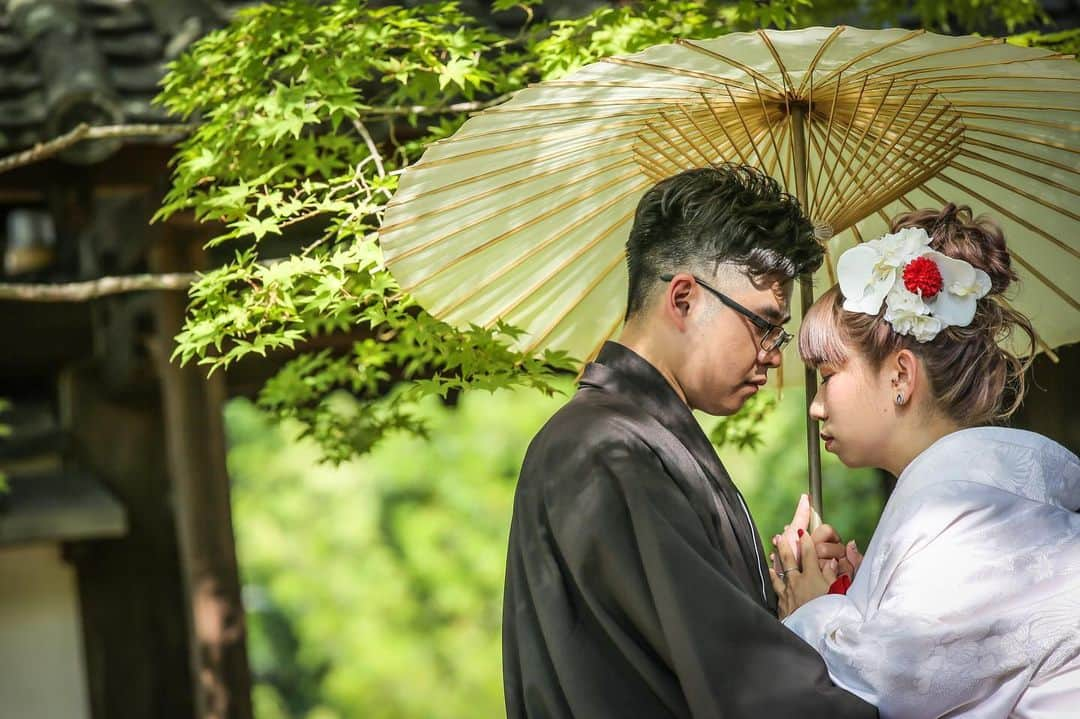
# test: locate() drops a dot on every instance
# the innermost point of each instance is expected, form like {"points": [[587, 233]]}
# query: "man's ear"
{"points": [[679, 298]]}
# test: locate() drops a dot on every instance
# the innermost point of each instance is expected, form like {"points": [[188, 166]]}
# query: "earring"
{"points": [[899, 400]]}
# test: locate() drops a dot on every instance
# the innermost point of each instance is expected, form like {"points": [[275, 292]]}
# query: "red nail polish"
{"points": [[801, 533]]}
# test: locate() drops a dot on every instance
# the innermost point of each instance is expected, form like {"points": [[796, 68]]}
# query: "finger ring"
{"points": [[784, 572]]}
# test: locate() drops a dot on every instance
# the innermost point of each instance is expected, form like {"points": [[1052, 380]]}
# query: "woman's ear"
{"points": [[906, 372]]}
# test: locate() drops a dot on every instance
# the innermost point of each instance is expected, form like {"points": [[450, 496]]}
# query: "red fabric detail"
{"points": [[841, 585], [922, 276]]}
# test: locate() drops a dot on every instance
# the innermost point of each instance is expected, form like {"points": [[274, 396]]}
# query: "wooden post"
{"points": [[130, 589], [195, 441]]}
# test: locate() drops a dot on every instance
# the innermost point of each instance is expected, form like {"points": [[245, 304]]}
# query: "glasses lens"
{"points": [[775, 339]]}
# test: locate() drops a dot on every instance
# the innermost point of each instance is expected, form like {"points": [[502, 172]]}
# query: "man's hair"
{"points": [[726, 213]]}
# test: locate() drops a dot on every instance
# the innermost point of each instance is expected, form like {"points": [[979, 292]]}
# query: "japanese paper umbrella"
{"points": [[522, 215]]}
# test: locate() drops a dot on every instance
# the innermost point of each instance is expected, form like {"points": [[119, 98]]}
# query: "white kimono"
{"points": [[968, 599]]}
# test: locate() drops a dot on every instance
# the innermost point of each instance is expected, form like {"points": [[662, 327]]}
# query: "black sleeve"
{"points": [[646, 570]]}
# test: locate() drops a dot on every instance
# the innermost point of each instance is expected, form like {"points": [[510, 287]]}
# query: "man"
{"points": [[635, 583]]}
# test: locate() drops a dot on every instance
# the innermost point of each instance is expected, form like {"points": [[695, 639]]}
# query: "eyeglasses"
{"points": [[773, 336]]}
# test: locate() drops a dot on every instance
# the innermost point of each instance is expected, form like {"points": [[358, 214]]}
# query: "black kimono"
{"points": [[635, 582]]}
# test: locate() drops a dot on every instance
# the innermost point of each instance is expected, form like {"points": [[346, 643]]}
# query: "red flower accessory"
{"points": [[922, 276], [841, 585]]}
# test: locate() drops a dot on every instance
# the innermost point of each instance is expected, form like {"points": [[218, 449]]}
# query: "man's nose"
{"points": [[770, 358]]}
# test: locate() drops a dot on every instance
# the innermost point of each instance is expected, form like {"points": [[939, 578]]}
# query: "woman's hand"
{"points": [[827, 541], [794, 586]]}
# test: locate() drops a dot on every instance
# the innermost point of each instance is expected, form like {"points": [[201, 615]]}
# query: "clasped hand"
{"points": [[805, 564]]}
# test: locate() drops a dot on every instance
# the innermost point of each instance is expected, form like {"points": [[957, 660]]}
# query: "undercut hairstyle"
{"points": [[974, 378], [727, 213]]}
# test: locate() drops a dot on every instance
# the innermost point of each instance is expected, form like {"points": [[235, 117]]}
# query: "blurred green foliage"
{"points": [[374, 588]]}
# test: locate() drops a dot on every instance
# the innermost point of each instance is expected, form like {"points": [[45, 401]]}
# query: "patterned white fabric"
{"points": [[967, 603]]}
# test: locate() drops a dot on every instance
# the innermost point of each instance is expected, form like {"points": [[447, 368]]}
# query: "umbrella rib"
{"points": [[777, 160], [769, 125], [822, 165], [788, 85], [918, 171], [693, 89], [677, 146], [877, 69], [870, 155], [749, 135], [503, 235], [1014, 106], [704, 135], [650, 166], [621, 221], [684, 72], [818, 55], [971, 66], [538, 247], [532, 161], [723, 129], [674, 163], [831, 180], [573, 305], [441, 209], [686, 139], [620, 118], [495, 213], [490, 150], [764, 79], [572, 104], [1023, 193], [850, 123], [858, 143], [604, 338], [1041, 142], [872, 51], [1012, 252], [998, 88], [872, 197], [906, 179], [1022, 120], [1038, 338], [1020, 153], [1012, 168]]}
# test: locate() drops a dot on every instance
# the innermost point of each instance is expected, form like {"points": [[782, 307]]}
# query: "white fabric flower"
{"points": [[873, 272], [868, 272], [963, 286], [909, 314]]}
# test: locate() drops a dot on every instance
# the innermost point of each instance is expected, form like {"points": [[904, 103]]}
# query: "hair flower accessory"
{"points": [[923, 290]]}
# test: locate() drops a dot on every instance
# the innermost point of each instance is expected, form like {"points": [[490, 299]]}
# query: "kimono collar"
{"points": [[1014, 460], [621, 371]]}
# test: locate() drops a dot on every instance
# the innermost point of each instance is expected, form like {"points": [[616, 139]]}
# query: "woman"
{"points": [[967, 602]]}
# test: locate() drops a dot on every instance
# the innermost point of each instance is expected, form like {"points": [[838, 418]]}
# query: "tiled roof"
{"points": [[63, 62]]}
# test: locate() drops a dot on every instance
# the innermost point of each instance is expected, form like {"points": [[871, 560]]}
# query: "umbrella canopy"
{"points": [[522, 215]]}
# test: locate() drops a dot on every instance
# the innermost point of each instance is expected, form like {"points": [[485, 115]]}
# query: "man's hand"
{"points": [[827, 542]]}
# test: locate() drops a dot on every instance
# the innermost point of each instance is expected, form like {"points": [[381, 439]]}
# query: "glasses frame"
{"points": [[758, 321]]}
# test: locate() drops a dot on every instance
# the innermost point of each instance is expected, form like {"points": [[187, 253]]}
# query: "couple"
{"points": [[636, 583]]}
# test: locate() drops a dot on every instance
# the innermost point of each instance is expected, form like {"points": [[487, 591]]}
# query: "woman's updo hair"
{"points": [[973, 379]]}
